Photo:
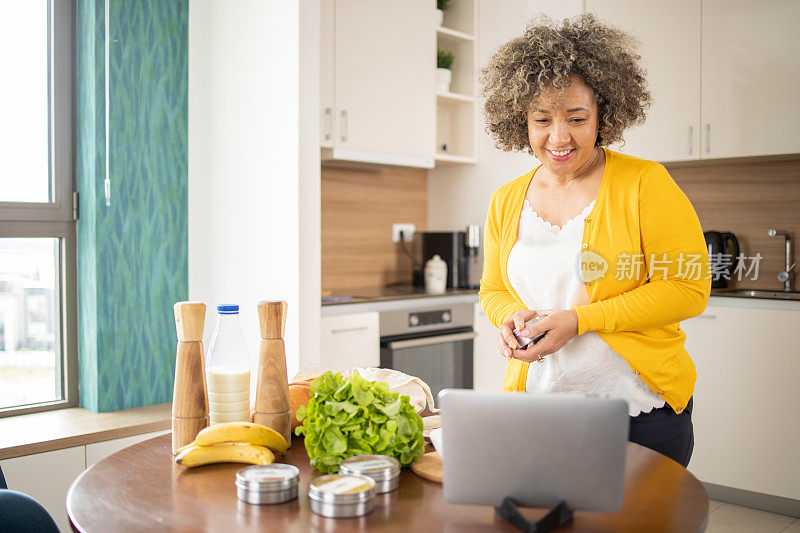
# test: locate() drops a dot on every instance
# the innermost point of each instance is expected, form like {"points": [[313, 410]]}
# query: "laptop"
{"points": [[539, 449]]}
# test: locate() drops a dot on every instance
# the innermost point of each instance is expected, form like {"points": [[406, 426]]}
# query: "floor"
{"points": [[730, 518]]}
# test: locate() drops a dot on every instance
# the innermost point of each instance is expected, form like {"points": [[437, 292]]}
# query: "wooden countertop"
{"points": [[64, 428]]}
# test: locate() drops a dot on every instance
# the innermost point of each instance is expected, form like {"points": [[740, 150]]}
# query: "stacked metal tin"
{"points": [[342, 495], [383, 469], [267, 484]]}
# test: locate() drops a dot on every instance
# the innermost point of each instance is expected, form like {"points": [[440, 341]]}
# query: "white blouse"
{"points": [[544, 270]]}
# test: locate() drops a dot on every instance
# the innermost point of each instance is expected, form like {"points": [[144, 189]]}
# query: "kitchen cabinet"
{"points": [[672, 61], [746, 398], [489, 365], [349, 341], [378, 81], [722, 75], [326, 61], [751, 77], [46, 477]]}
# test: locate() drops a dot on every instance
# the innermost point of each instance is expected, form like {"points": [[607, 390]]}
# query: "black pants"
{"points": [[666, 432]]}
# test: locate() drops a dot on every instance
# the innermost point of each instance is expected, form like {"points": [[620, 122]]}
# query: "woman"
{"points": [[605, 246]]}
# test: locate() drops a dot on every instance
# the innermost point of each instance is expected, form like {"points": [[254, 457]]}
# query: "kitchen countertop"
{"points": [[726, 298], [765, 294], [382, 294], [391, 298], [404, 292], [751, 302], [403, 296]]}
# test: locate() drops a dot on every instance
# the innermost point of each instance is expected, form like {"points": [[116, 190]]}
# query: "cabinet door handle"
{"points": [[707, 315], [328, 121], [689, 144], [344, 125], [344, 330], [708, 138], [429, 341]]}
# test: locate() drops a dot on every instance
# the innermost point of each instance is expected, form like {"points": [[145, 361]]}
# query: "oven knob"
{"points": [[413, 320], [445, 317]]}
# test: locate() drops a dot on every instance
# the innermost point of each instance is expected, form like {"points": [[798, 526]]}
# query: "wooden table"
{"points": [[141, 489]]}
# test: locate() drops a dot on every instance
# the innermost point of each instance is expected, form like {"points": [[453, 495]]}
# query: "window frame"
{"points": [[55, 219]]}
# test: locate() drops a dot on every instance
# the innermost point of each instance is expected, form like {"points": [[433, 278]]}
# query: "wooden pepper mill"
{"points": [[272, 389], [189, 397]]}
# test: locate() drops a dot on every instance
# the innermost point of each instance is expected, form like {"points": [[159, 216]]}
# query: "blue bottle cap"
{"points": [[228, 309]]}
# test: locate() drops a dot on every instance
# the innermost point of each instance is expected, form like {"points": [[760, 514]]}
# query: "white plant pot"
{"points": [[443, 78], [439, 17]]}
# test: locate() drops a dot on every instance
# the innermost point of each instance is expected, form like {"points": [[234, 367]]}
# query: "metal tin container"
{"points": [[274, 483], [526, 342], [383, 469], [342, 495]]}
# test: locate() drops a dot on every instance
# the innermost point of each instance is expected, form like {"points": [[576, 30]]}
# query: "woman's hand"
{"points": [[559, 327], [506, 342]]}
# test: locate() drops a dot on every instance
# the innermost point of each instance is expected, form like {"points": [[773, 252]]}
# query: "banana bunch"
{"points": [[233, 442]]}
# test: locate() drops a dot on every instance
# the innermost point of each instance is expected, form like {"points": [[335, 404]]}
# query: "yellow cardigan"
{"points": [[641, 218]]}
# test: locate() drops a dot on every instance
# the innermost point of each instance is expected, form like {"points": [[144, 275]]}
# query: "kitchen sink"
{"points": [[782, 295]]}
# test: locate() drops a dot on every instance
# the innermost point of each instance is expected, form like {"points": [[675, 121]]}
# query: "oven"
{"points": [[434, 343]]}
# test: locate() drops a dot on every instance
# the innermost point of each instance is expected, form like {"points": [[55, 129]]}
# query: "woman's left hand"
{"points": [[560, 327]]}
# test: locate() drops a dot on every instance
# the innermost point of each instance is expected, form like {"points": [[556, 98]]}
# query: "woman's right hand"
{"points": [[506, 342]]}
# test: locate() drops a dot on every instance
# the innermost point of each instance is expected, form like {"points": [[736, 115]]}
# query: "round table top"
{"points": [[140, 488]]}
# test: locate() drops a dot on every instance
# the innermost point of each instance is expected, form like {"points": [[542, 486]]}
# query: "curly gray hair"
{"points": [[548, 54]]}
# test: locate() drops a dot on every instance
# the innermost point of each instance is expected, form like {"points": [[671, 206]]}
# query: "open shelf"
{"points": [[460, 19], [455, 98], [448, 36], [456, 110], [448, 159], [455, 131]]}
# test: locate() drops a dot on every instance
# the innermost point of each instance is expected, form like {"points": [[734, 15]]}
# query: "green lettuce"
{"points": [[347, 417]]}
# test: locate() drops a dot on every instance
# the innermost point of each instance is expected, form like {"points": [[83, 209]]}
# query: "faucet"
{"points": [[785, 276]]}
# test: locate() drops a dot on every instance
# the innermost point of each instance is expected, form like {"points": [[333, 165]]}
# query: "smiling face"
{"points": [[562, 129]]}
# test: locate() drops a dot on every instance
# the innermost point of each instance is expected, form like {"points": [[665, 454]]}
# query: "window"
{"points": [[38, 308]]}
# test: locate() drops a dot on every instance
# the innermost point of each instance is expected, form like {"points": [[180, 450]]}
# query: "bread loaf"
{"points": [[299, 394]]}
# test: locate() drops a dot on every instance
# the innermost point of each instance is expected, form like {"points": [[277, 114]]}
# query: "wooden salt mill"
{"points": [[189, 397], [272, 390]]}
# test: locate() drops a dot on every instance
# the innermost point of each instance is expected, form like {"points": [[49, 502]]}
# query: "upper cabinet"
{"points": [[751, 77], [669, 34], [722, 74], [377, 78]]}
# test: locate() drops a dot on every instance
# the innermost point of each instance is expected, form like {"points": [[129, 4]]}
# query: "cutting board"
{"points": [[429, 467]]}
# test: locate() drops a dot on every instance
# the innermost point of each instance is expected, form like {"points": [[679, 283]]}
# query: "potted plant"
{"points": [[444, 60], [441, 7]]}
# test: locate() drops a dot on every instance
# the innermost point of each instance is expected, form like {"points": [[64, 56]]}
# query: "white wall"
{"points": [[459, 195], [254, 164], [254, 204], [310, 289]]}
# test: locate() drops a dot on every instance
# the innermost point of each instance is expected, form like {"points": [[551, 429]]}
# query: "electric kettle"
{"points": [[723, 262]]}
